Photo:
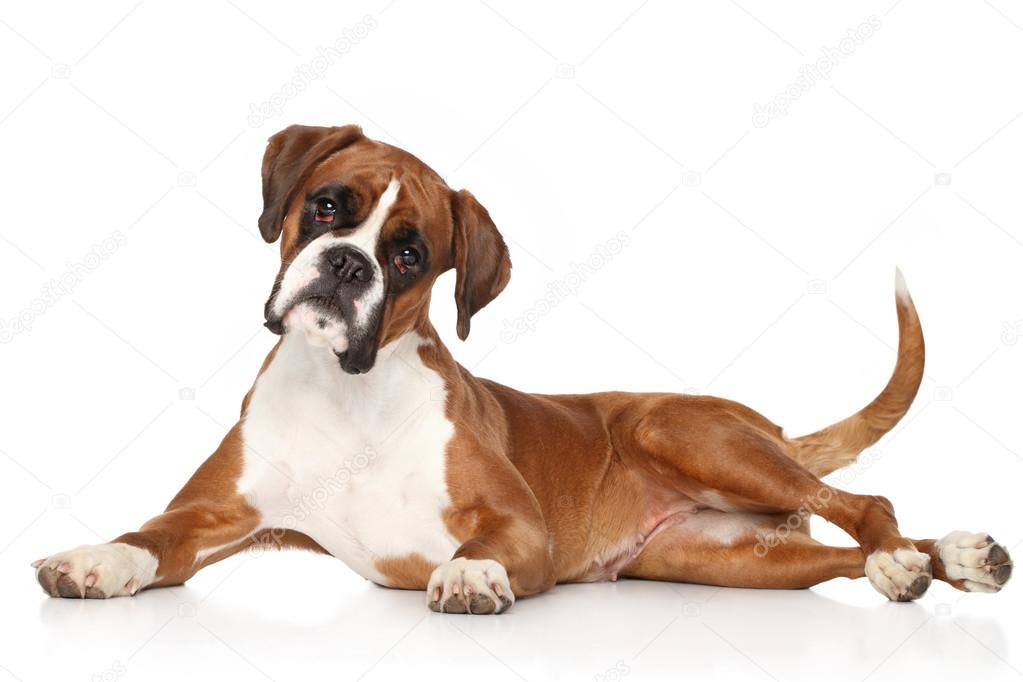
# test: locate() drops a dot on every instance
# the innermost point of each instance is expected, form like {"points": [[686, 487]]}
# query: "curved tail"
{"points": [[838, 445]]}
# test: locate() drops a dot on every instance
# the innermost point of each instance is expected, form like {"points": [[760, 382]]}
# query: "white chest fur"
{"points": [[357, 463]]}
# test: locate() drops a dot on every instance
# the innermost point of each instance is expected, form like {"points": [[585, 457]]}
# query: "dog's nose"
{"points": [[349, 264]]}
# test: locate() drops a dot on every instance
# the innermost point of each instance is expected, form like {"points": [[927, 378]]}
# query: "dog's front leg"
{"points": [[487, 572], [505, 550], [205, 522]]}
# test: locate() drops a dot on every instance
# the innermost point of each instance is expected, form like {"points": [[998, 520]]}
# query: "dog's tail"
{"points": [[839, 444]]}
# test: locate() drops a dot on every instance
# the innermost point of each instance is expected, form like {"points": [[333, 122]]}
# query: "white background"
{"points": [[759, 267]]}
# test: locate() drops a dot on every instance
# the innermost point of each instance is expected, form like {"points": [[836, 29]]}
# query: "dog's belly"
{"points": [[322, 458]]}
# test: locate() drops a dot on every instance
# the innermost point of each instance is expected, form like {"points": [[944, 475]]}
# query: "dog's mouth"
{"points": [[328, 306], [356, 363], [323, 293], [328, 320], [276, 325]]}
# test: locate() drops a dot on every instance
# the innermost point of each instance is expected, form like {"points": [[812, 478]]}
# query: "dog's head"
{"points": [[365, 230]]}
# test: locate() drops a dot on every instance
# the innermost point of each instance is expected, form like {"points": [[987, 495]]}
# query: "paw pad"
{"points": [[902, 575], [975, 559]]}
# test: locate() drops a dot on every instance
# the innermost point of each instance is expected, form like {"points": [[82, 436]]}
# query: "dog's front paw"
{"points": [[976, 559], [902, 575], [475, 586], [96, 571]]}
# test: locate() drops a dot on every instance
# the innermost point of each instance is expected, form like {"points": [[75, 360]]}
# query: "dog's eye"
{"points": [[408, 258], [325, 210]]}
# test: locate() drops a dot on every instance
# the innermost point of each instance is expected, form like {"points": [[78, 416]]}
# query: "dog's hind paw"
{"points": [[976, 560], [902, 575]]}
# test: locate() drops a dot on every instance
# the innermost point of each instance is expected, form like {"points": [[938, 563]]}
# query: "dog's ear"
{"points": [[480, 258], [290, 154]]}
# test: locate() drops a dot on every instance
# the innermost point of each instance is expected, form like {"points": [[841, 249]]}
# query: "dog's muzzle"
{"points": [[341, 291]]}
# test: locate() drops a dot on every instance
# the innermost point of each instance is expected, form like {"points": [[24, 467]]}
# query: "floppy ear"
{"points": [[480, 257], [289, 156]]}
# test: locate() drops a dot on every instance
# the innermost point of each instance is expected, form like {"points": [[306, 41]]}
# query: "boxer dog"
{"points": [[363, 438]]}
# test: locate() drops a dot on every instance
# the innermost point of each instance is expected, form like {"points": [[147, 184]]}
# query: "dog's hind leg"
{"points": [[733, 550], [728, 457], [713, 451]]}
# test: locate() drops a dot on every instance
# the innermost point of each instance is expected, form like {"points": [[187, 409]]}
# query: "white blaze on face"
{"points": [[304, 270]]}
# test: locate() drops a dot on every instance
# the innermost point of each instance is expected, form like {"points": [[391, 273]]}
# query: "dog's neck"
{"points": [[306, 359]]}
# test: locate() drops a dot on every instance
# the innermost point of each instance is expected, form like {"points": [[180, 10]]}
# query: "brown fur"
{"points": [[409, 572], [205, 514], [557, 488], [838, 445]]}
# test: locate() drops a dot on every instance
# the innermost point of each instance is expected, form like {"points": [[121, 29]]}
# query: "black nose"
{"points": [[349, 264]]}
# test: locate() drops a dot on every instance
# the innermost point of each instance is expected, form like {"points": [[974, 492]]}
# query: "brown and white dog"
{"points": [[363, 438]]}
